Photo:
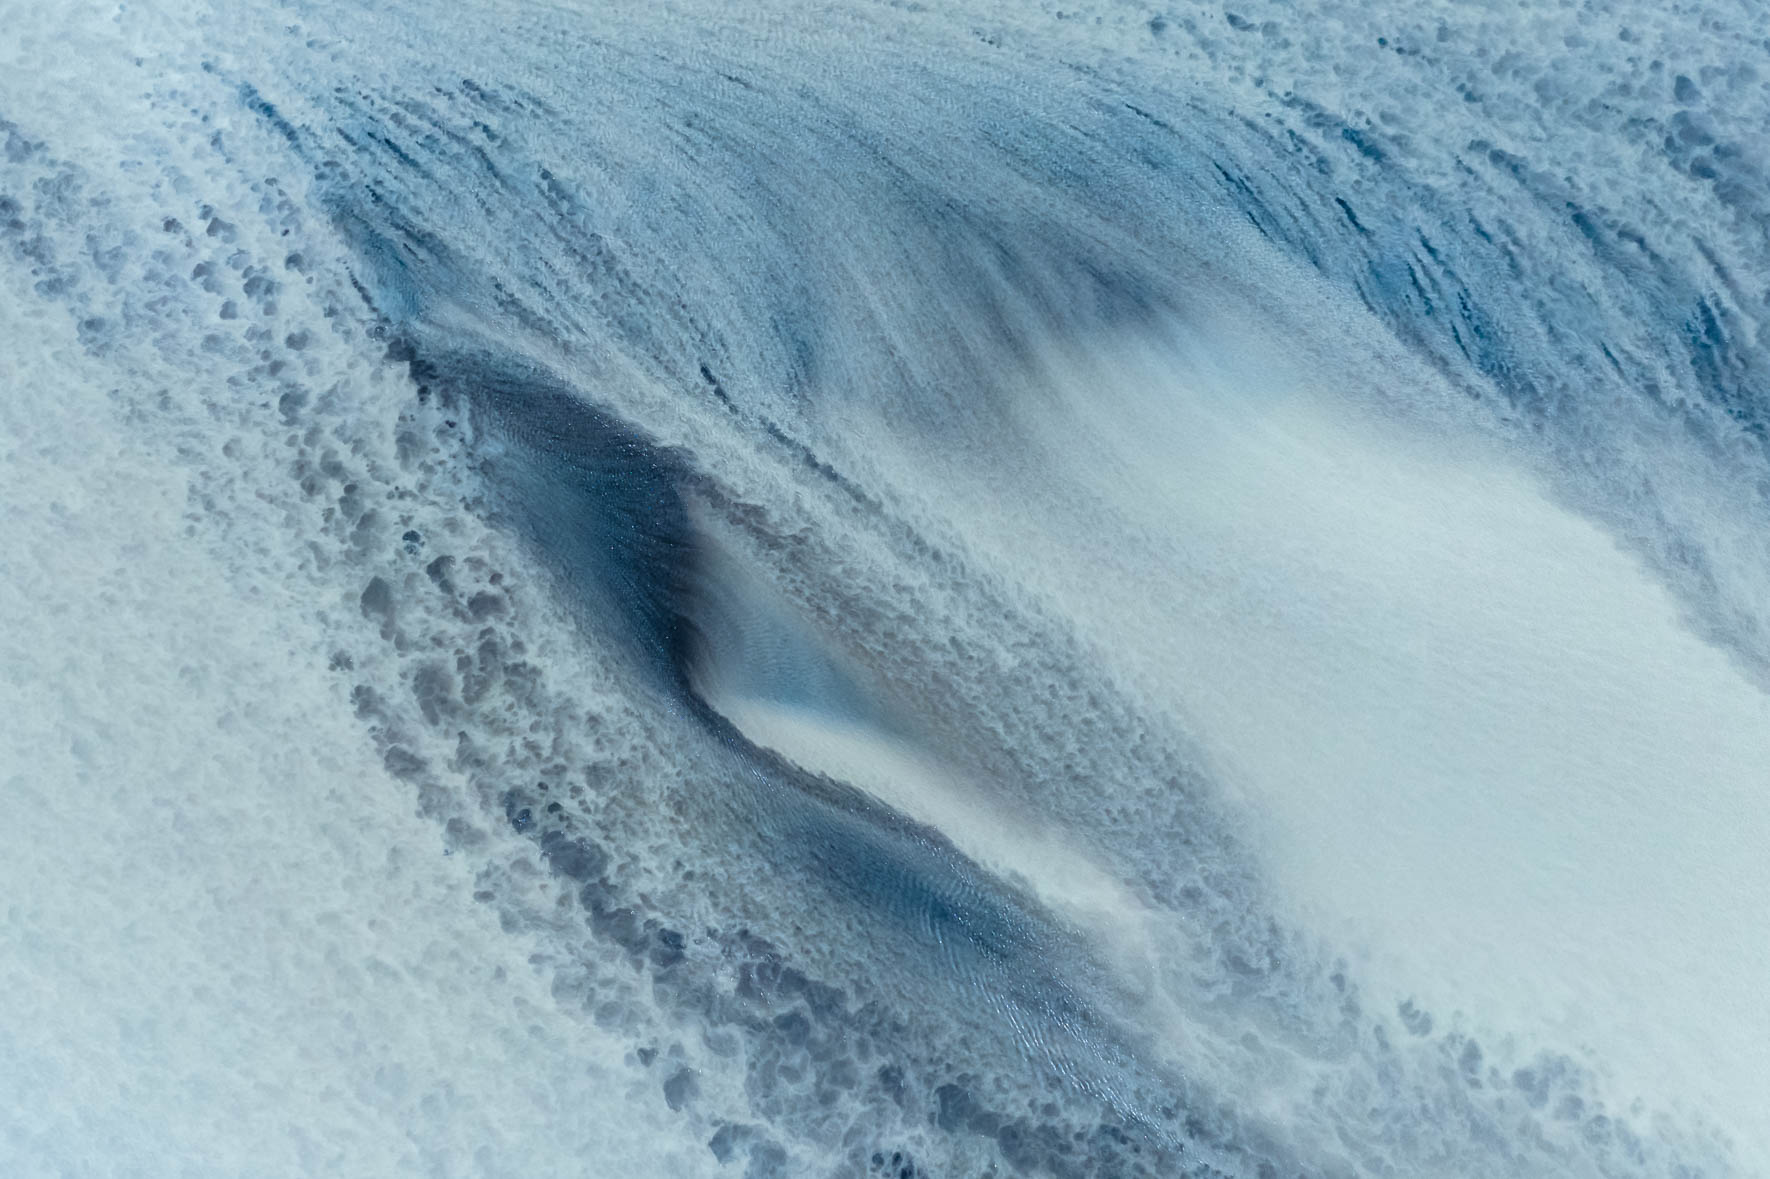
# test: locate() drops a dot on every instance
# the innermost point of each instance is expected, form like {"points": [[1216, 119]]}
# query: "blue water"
{"points": [[981, 591]]}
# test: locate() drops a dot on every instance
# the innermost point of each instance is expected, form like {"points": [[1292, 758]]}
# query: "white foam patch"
{"points": [[1474, 738], [1013, 844], [227, 945]]}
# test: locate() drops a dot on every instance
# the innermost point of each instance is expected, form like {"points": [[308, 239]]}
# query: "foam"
{"points": [[1481, 747], [232, 948], [860, 238]]}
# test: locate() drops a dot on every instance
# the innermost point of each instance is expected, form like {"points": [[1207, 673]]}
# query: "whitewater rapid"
{"points": [[963, 589]]}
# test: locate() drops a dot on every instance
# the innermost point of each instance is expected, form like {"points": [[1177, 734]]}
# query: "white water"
{"points": [[230, 947], [1485, 748], [1482, 724]]}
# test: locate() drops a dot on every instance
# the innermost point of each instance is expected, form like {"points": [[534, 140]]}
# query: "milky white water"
{"points": [[860, 591]]}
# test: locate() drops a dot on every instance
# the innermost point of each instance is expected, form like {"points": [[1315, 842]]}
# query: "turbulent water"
{"points": [[967, 589]]}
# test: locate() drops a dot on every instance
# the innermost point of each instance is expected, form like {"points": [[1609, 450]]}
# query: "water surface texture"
{"points": [[884, 589]]}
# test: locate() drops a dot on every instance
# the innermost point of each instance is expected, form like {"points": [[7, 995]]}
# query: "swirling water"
{"points": [[885, 589]]}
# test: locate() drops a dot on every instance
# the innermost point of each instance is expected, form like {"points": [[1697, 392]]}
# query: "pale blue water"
{"points": [[914, 590]]}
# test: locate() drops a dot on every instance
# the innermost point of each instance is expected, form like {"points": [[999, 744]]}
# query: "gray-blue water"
{"points": [[885, 589]]}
